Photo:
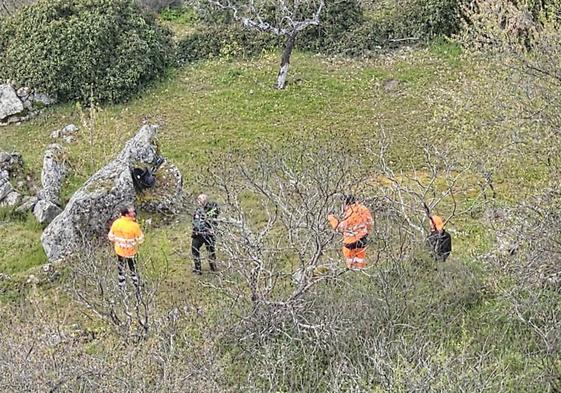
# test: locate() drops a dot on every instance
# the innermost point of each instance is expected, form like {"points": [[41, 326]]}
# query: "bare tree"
{"points": [[282, 18]]}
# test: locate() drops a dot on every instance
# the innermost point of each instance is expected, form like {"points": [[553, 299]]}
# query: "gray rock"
{"points": [[11, 162], [90, 209], [45, 212], [27, 204], [54, 171], [68, 139], [28, 104], [44, 99], [12, 199], [70, 129], [5, 189], [10, 104], [391, 84], [4, 176], [68, 133], [23, 93]]}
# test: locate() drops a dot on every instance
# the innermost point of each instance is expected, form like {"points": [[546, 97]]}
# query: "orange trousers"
{"points": [[355, 258]]}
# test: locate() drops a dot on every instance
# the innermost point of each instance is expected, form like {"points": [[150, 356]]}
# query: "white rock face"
{"points": [[10, 104]]}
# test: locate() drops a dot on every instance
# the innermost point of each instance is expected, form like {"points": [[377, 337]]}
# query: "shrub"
{"points": [[81, 49], [393, 24], [338, 18], [224, 40], [426, 19]]}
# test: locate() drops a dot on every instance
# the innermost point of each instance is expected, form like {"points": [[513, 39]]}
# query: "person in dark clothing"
{"points": [[204, 226], [439, 241]]}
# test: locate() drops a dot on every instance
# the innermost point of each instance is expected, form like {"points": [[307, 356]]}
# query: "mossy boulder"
{"points": [[91, 209]]}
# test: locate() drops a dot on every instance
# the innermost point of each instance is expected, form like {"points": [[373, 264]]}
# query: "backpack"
{"points": [[143, 178]]}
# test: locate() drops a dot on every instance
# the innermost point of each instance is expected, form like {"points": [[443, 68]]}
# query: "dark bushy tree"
{"points": [[82, 49]]}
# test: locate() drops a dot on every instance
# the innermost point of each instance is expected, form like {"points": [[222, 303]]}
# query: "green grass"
{"points": [[212, 108]]}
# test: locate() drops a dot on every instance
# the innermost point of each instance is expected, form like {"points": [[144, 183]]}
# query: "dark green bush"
{"points": [[337, 20], [392, 24], [215, 41], [81, 49], [426, 19]]}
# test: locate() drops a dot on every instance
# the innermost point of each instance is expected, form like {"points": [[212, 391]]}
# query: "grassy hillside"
{"points": [[423, 97]]}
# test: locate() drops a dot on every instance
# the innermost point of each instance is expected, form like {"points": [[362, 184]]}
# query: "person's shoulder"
{"points": [[118, 221]]}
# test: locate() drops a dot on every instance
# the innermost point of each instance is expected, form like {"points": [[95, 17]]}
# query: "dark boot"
{"points": [[197, 268], [213, 266]]}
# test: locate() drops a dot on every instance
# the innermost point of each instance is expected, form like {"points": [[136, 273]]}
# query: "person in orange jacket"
{"points": [[356, 224], [439, 241], [127, 235]]}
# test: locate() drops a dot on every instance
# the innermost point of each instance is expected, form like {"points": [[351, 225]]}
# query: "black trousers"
{"points": [[210, 242], [121, 266]]}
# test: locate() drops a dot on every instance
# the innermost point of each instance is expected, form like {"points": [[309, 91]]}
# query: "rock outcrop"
{"points": [[11, 162], [52, 177], [67, 134], [53, 173], [21, 104], [10, 103], [45, 211], [87, 215]]}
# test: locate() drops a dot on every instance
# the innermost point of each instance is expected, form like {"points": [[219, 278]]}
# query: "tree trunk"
{"points": [[285, 61]]}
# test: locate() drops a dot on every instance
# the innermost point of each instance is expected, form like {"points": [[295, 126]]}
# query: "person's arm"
{"points": [[336, 224], [140, 236]]}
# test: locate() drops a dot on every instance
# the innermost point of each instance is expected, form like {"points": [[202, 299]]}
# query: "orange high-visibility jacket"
{"points": [[357, 222], [127, 235]]}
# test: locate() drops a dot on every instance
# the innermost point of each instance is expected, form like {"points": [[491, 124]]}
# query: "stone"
{"points": [[10, 162], [10, 104], [27, 204], [5, 189], [45, 212], [90, 210], [23, 93], [69, 130], [391, 84], [28, 104], [68, 133], [44, 99], [68, 139], [4, 176], [12, 199], [53, 173]]}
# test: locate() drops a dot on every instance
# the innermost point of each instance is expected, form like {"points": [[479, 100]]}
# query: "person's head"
{"points": [[437, 223], [202, 199], [128, 211], [349, 200]]}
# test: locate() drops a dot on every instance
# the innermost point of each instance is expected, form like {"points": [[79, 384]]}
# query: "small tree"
{"points": [[279, 17]]}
